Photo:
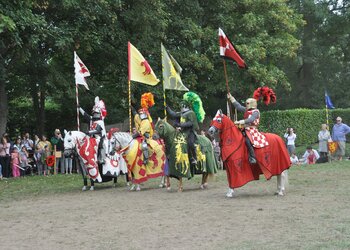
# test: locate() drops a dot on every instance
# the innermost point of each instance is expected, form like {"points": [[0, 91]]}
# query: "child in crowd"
{"points": [[44, 155], [37, 157], [294, 159], [24, 160], [15, 161]]}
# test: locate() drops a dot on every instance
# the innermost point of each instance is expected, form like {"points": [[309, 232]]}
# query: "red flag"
{"points": [[227, 50]]}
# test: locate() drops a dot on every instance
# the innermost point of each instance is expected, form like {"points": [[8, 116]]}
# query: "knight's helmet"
{"points": [[147, 101], [99, 110], [251, 103], [264, 93], [193, 101]]}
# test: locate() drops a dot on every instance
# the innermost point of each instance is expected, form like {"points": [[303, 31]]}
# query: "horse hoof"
{"points": [[280, 193], [204, 186], [128, 184], [92, 188], [132, 188], [83, 189], [138, 188], [168, 188], [180, 190], [161, 185], [229, 194]]}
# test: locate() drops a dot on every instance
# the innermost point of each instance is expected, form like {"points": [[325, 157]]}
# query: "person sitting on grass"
{"points": [[310, 156], [294, 159]]}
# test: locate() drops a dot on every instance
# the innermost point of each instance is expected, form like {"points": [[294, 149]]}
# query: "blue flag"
{"points": [[329, 103]]}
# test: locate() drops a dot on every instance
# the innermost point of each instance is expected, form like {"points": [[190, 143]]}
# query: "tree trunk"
{"points": [[3, 99]]}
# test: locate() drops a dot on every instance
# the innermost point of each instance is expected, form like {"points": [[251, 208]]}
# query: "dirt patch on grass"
{"points": [[314, 214]]}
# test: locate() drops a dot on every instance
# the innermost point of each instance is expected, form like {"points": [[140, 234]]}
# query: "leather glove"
{"points": [[230, 97], [240, 122]]}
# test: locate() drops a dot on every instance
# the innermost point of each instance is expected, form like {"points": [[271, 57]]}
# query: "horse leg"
{"points": [[92, 188], [162, 182], [204, 184], [85, 183], [180, 185], [115, 179], [84, 179], [282, 180], [127, 180], [168, 183]]}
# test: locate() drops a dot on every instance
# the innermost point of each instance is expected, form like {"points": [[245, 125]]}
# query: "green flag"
{"points": [[171, 72]]}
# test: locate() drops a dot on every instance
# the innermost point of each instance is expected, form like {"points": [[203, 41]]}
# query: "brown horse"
{"points": [[271, 160]]}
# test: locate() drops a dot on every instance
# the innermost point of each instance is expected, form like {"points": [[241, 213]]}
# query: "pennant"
{"points": [[228, 51], [81, 71], [139, 69], [329, 103], [171, 72]]}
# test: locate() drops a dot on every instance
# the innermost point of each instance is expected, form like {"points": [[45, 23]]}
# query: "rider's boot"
{"points": [[193, 155], [101, 156], [251, 157]]}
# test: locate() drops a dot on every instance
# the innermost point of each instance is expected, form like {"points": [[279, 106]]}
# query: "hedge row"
{"points": [[306, 122]]}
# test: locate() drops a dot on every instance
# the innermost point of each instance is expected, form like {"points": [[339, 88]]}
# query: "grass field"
{"points": [[53, 213]]}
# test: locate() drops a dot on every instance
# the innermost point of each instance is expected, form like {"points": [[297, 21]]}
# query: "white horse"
{"points": [[113, 166], [123, 142]]}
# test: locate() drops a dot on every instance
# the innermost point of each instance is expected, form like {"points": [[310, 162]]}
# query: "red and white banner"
{"points": [[81, 71], [228, 51]]}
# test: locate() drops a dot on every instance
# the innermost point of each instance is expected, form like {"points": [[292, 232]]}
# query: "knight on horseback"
{"points": [[253, 138], [191, 113], [143, 124], [97, 127]]}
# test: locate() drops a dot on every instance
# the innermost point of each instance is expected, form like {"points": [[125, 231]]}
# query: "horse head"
{"points": [[216, 124], [117, 140], [71, 139], [163, 128]]}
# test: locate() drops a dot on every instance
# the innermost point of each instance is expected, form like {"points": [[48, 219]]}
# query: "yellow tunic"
{"points": [[143, 126]]}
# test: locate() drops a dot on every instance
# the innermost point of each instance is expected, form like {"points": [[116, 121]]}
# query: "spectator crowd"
{"points": [[25, 155]]}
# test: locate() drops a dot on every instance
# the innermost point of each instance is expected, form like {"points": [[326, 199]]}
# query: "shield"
{"points": [[332, 146]]}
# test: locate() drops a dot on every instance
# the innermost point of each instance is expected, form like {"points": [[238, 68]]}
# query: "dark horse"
{"points": [[271, 160]]}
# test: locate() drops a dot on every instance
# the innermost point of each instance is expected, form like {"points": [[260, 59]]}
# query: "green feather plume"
{"points": [[195, 101]]}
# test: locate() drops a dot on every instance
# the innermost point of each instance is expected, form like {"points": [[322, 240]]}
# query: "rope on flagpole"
{"points": [[77, 98], [228, 90]]}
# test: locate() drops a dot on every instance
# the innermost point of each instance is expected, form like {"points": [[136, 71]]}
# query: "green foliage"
{"points": [[306, 122]]}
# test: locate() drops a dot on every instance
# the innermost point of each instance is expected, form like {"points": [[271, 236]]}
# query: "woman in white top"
{"points": [[323, 137], [290, 137]]}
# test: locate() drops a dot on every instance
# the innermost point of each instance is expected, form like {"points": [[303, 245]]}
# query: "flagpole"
{"points": [[77, 98], [164, 95], [130, 123], [227, 89], [129, 89], [327, 115]]}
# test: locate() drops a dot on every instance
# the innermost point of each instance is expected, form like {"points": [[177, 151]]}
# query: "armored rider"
{"points": [[253, 138], [188, 121], [97, 127], [143, 124]]}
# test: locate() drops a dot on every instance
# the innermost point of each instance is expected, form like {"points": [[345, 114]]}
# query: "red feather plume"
{"points": [[267, 95]]}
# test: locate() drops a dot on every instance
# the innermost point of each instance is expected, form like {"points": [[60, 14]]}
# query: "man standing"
{"points": [[338, 135], [57, 141]]}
